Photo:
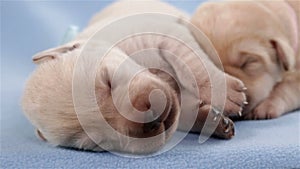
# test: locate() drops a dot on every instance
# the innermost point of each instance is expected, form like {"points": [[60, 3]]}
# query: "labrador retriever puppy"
{"points": [[258, 42], [59, 104]]}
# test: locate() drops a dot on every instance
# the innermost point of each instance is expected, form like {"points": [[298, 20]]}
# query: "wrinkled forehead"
{"points": [[255, 47]]}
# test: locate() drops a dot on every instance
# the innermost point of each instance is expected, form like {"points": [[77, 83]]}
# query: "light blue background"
{"points": [[30, 27]]}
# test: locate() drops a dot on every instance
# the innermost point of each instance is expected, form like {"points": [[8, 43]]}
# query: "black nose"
{"points": [[151, 126]]}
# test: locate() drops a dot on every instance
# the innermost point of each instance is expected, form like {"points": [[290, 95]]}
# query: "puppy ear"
{"points": [[285, 53], [53, 53], [40, 135], [44, 56]]}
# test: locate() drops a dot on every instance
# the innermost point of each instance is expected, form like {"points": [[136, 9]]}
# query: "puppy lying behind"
{"points": [[258, 42], [48, 99]]}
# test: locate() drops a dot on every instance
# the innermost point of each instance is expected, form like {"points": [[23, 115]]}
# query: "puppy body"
{"points": [[48, 100], [257, 42]]}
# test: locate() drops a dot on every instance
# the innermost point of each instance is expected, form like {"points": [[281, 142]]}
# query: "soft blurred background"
{"points": [[28, 27]]}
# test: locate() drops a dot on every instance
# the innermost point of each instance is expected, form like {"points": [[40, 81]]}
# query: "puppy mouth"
{"points": [[152, 126], [159, 125], [163, 124]]}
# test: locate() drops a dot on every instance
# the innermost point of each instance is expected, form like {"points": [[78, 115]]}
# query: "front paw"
{"points": [[225, 128], [268, 109], [236, 98]]}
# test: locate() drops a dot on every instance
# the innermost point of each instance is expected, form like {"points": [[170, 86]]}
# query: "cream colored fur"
{"points": [[258, 42], [48, 99]]}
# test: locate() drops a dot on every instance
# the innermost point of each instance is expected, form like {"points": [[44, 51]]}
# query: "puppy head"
{"points": [[254, 50], [259, 63], [48, 103]]}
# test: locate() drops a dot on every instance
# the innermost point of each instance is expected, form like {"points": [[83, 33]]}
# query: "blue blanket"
{"points": [[40, 25]]}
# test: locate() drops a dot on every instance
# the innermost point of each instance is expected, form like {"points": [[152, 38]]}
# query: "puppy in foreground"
{"points": [[258, 42], [49, 99]]}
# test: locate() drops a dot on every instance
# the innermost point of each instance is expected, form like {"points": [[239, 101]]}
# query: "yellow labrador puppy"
{"points": [[258, 42], [50, 101]]}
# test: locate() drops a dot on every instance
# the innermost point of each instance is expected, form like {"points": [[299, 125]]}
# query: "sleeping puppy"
{"points": [[258, 42], [51, 104]]}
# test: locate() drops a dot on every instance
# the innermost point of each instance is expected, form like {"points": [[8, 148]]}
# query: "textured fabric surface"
{"points": [[257, 144], [29, 27]]}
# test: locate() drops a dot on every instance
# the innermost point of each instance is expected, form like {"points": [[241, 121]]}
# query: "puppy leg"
{"points": [[284, 98], [207, 76]]}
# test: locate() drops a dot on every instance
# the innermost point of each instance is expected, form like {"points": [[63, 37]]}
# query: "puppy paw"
{"points": [[216, 123], [266, 110], [225, 128], [236, 98]]}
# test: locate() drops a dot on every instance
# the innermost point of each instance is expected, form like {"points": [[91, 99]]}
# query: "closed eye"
{"points": [[249, 62]]}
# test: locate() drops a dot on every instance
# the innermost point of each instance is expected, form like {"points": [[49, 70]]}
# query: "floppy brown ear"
{"points": [[53, 53], [285, 53], [40, 135], [44, 56]]}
